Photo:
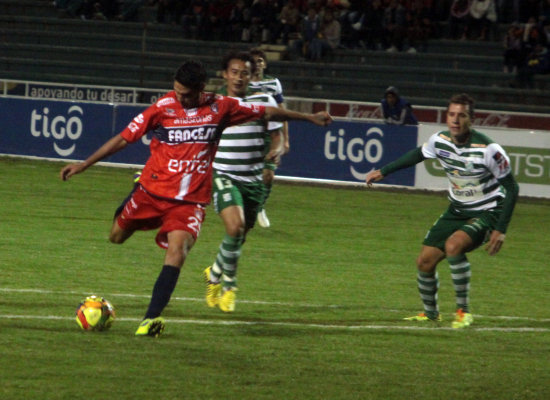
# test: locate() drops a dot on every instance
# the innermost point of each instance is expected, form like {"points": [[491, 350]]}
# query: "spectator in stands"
{"points": [[311, 25], [458, 17], [239, 20], [512, 49], [534, 55], [419, 26], [545, 11], [262, 21], [128, 9], [365, 25], [482, 17], [328, 38], [350, 22], [171, 11], [529, 9], [538, 62], [217, 26], [288, 22], [397, 110], [193, 19], [394, 25]]}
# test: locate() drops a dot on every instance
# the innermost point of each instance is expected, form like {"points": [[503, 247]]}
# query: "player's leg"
{"points": [[431, 254], [178, 233], [456, 247], [428, 282], [472, 234], [179, 245], [228, 203], [119, 235], [268, 176]]}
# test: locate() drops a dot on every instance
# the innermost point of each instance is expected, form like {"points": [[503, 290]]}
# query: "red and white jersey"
{"points": [[184, 142]]}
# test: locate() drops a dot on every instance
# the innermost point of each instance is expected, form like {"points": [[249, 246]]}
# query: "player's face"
{"points": [[260, 65], [458, 121], [188, 98], [237, 77]]}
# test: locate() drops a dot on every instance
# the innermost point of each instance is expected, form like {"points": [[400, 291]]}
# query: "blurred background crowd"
{"points": [[313, 29]]}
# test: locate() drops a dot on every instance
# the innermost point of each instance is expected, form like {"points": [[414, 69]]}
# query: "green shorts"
{"points": [[227, 192], [477, 224]]}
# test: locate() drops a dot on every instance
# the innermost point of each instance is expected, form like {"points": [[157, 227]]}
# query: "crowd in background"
{"points": [[312, 29]]}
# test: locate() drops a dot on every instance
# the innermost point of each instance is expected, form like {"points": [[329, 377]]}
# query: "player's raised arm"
{"points": [[113, 145], [321, 118]]}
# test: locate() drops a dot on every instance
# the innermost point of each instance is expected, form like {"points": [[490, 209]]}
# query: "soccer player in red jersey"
{"points": [[176, 182]]}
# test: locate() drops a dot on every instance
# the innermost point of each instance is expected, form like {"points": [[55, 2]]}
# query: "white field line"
{"points": [[299, 325], [272, 303], [193, 299]]}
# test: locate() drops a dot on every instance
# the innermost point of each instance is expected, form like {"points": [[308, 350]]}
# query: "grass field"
{"points": [[319, 313]]}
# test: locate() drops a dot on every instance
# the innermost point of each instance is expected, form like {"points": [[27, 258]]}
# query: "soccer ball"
{"points": [[94, 313]]}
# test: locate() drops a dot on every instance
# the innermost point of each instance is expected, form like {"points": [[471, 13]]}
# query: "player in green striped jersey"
{"points": [[238, 189], [267, 84], [482, 194]]}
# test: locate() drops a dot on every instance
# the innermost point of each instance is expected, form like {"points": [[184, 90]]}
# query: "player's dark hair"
{"points": [[239, 55], [191, 74], [463, 99], [257, 52]]}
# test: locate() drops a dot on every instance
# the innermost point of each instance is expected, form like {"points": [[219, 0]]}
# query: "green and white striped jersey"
{"points": [[269, 85], [472, 169], [241, 150]]}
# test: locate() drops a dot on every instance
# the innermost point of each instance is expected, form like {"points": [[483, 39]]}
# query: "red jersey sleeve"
{"points": [[240, 112]]}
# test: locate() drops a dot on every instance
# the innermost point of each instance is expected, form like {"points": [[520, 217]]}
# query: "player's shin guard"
{"points": [[428, 284], [162, 291], [228, 257], [461, 273]]}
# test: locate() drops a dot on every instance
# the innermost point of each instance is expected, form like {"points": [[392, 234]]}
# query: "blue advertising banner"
{"points": [[53, 129], [346, 151]]}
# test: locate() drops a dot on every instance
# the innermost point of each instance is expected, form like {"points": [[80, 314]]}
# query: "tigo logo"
{"points": [[57, 127]]}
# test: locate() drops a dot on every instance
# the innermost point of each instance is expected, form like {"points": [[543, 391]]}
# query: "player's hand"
{"points": [[286, 147], [70, 170], [496, 240], [373, 176], [322, 118], [274, 155]]}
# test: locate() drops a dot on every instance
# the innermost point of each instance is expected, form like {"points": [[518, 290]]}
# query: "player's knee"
{"points": [[235, 230], [453, 248], [116, 239], [425, 264]]}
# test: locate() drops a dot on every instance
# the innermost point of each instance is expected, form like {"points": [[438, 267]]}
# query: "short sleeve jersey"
{"points": [[269, 85], [241, 150], [473, 169], [184, 142]]}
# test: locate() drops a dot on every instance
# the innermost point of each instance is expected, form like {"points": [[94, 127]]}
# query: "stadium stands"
{"points": [[35, 44]]}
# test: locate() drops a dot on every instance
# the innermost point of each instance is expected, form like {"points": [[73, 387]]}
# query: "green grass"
{"points": [[319, 311]]}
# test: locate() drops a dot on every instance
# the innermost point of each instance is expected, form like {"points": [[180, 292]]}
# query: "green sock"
{"points": [[461, 273], [227, 258], [428, 283]]}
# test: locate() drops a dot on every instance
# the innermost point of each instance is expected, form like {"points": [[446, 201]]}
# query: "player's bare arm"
{"points": [[373, 176], [286, 138], [321, 118], [276, 149], [113, 145]]}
